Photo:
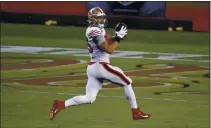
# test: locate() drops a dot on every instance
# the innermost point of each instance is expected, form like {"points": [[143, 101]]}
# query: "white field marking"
{"points": [[178, 77], [48, 77], [205, 67], [23, 49], [166, 84], [117, 54], [19, 105], [58, 82], [138, 123], [165, 59], [85, 73], [25, 69], [55, 83], [80, 62], [116, 88], [31, 49], [167, 67], [101, 126], [104, 84], [49, 60], [175, 72], [103, 96], [103, 121]]}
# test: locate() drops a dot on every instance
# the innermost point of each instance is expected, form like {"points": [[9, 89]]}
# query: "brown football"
{"points": [[108, 38]]}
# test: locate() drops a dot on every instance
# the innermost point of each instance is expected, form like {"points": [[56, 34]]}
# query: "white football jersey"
{"points": [[95, 36]]}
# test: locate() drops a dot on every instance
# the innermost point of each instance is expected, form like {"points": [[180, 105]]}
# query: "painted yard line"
{"points": [[31, 48], [103, 96], [117, 54]]}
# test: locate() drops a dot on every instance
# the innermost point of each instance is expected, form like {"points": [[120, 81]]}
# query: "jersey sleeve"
{"points": [[96, 35]]}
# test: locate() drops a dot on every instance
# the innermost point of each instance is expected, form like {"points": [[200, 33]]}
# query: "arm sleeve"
{"points": [[98, 39]]}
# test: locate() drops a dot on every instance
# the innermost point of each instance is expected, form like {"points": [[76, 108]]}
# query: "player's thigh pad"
{"points": [[115, 75]]}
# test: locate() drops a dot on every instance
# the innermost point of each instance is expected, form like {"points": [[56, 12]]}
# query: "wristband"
{"points": [[116, 38]]}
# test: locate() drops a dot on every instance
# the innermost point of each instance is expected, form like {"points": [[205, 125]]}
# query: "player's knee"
{"points": [[130, 80], [127, 83], [91, 99]]}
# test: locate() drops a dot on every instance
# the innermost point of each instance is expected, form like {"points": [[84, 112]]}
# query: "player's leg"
{"points": [[92, 88], [116, 75]]}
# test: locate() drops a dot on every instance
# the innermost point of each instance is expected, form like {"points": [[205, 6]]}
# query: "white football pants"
{"points": [[97, 72]]}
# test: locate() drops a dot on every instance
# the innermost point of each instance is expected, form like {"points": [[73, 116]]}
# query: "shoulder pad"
{"points": [[93, 31]]}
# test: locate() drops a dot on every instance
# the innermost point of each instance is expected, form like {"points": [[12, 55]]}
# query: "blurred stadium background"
{"points": [[191, 16]]}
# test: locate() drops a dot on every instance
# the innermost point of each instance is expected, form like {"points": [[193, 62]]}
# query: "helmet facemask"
{"points": [[97, 17], [100, 21]]}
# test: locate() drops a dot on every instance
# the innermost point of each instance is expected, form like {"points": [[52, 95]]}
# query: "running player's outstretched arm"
{"points": [[121, 32]]}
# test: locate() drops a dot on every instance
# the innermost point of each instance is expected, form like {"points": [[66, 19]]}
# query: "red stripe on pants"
{"points": [[116, 73]]}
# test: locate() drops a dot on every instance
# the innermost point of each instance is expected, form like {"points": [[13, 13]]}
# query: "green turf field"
{"points": [[182, 103]]}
